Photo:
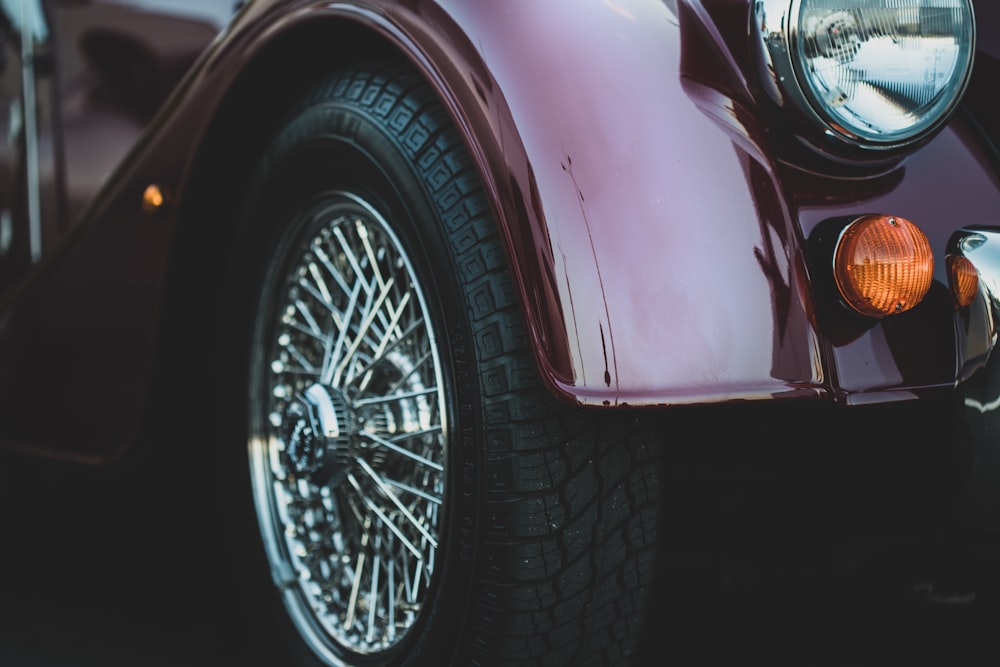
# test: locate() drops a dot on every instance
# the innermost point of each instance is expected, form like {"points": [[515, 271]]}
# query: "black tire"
{"points": [[534, 522]]}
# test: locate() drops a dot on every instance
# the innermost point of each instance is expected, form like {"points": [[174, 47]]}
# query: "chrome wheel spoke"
{"points": [[372, 308], [389, 495], [364, 372], [413, 456]]}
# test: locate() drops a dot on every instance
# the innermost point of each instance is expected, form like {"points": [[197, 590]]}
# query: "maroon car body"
{"points": [[662, 221]]}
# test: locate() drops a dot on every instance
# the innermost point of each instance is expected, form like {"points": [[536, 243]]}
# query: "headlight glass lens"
{"points": [[875, 72], [883, 70]]}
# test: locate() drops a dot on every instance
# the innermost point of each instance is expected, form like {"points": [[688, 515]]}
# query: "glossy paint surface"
{"points": [[659, 218], [675, 223], [670, 285]]}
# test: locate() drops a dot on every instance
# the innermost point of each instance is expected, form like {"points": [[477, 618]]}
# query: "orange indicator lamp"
{"points": [[883, 265]]}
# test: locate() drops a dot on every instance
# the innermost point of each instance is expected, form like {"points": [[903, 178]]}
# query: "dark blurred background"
{"points": [[123, 570]]}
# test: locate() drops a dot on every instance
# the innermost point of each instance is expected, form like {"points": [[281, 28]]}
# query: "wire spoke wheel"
{"points": [[347, 453]]}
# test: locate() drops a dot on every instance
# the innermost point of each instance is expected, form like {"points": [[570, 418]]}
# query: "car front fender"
{"points": [[661, 228], [655, 257]]}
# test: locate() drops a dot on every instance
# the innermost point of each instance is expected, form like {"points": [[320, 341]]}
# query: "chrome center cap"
{"points": [[319, 425]]}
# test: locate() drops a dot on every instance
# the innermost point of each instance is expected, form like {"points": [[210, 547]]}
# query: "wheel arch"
{"points": [[299, 53], [223, 162], [593, 221]]}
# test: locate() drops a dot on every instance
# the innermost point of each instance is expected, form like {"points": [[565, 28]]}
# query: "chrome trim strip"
{"points": [[976, 330], [32, 168]]}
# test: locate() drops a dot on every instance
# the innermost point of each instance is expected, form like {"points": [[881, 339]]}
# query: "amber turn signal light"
{"points": [[883, 265], [963, 279], [153, 198]]}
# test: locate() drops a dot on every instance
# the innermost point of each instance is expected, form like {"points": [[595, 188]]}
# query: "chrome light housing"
{"points": [[876, 73]]}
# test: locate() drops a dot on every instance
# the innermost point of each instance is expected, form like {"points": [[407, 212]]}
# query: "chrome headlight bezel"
{"points": [[785, 76]]}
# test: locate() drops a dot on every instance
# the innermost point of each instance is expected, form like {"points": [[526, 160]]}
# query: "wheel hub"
{"points": [[320, 424]]}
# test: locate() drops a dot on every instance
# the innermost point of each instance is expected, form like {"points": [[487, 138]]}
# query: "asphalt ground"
{"points": [[110, 571]]}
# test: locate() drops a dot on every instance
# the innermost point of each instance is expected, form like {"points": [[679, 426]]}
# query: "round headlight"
{"points": [[879, 73]]}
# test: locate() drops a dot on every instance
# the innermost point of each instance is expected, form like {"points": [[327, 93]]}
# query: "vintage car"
{"points": [[475, 314]]}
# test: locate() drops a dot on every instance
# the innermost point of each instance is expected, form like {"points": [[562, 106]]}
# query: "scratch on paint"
{"points": [[604, 348], [568, 168], [572, 309]]}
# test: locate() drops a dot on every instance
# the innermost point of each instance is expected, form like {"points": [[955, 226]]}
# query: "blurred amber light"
{"points": [[963, 278], [883, 265], [152, 199]]}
